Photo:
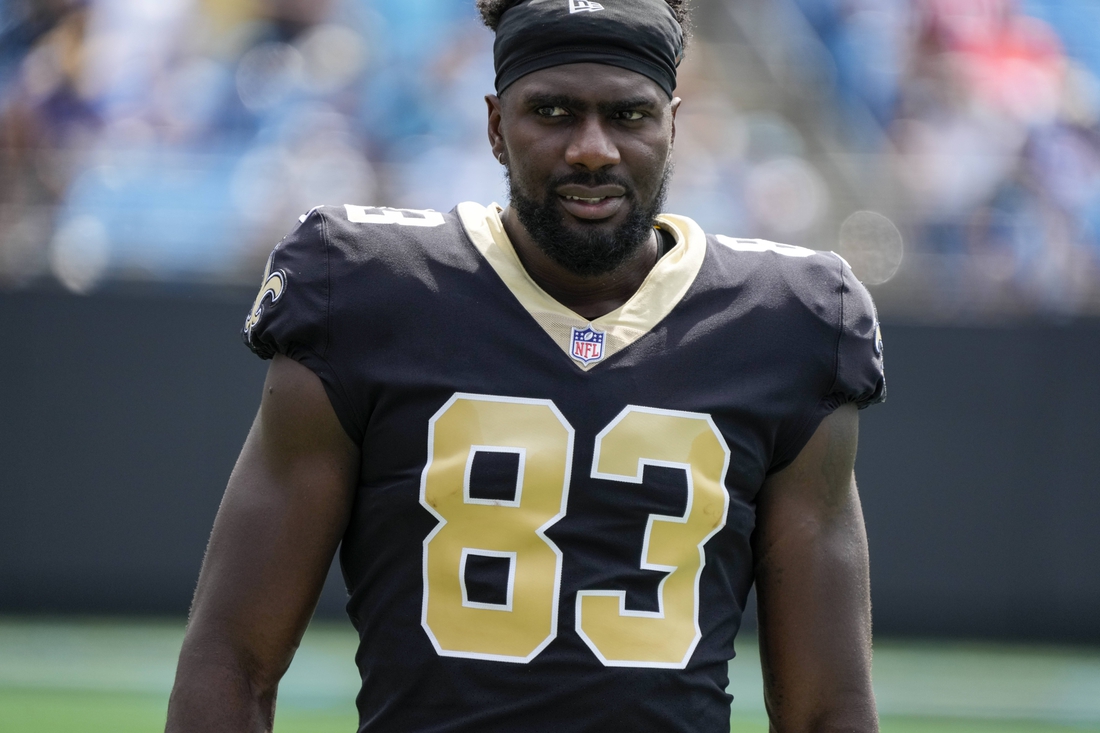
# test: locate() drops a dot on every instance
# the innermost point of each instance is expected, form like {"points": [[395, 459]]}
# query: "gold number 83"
{"points": [[535, 430]]}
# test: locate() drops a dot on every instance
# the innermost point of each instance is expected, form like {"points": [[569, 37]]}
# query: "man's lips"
{"points": [[580, 191], [591, 202]]}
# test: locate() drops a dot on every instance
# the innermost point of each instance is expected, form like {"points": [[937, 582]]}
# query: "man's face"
{"points": [[587, 149]]}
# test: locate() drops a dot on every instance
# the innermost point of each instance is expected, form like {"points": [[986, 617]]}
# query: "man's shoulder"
{"points": [[745, 262], [797, 294], [320, 267], [748, 250], [350, 239], [367, 226], [797, 265], [784, 279]]}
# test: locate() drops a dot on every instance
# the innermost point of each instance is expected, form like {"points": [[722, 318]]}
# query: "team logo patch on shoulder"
{"points": [[583, 6], [587, 345], [271, 291]]}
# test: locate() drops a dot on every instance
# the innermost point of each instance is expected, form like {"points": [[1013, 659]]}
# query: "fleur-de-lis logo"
{"points": [[272, 289]]}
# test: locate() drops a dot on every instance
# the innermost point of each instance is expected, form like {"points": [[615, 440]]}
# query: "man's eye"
{"points": [[631, 115], [552, 111]]}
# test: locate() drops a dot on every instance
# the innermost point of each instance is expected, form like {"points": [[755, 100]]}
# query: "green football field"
{"points": [[114, 677]]}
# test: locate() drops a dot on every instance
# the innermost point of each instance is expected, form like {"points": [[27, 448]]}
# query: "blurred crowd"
{"points": [[990, 113], [179, 139], [949, 148]]}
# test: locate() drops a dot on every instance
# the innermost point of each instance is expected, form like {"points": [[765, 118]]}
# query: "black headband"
{"points": [[639, 35]]}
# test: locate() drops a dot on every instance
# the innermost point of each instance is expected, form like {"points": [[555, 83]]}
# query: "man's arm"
{"points": [[282, 516], [813, 588]]}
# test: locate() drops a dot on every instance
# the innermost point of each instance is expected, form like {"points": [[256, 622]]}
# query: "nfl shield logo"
{"points": [[587, 345]]}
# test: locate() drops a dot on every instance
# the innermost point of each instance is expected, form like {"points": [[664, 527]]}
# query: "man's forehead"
{"points": [[589, 82]]}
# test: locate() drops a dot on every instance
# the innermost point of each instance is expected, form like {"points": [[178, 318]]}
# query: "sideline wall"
{"points": [[121, 416]]}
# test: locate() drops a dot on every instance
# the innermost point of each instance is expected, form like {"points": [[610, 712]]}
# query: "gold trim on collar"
{"points": [[660, 292]]}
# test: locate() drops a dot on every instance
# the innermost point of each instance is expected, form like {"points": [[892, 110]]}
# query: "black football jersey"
{"points": [[552, 525]]}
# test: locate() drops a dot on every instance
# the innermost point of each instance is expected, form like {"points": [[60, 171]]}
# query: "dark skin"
{"points": [[282, 516], [289, 498], [813, 588], [587, 117]]}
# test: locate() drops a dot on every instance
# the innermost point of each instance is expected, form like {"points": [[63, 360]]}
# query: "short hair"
{"points": [[492, 10]]}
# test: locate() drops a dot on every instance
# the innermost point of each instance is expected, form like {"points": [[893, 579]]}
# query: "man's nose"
{"points": [[592, 146]]}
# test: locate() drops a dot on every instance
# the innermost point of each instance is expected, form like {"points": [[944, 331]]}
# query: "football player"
{"points": [[555, 442]]}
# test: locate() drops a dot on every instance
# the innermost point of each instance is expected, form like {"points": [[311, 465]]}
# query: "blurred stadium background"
{"points": [[153, 151]]}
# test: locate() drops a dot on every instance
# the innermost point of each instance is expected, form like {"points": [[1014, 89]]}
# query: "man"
{"points": [[559, 442]]}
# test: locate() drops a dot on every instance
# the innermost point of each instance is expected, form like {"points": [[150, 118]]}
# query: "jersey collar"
{"points": [[660, 292]]}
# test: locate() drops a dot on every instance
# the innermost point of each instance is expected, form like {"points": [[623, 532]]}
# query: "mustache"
{"points": [[590, 178]]}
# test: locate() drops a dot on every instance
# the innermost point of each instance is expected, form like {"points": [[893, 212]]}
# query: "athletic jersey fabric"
{"points": [[552, 525]]}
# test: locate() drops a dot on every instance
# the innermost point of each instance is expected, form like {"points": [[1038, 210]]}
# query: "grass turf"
{"points": [[111, 676], [54, 711]]}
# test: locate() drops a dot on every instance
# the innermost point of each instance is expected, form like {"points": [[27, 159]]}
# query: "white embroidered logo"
{"points": [[580, 6]]}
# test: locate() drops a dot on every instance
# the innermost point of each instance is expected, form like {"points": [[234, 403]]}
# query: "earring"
{"points": [[500, 158]]}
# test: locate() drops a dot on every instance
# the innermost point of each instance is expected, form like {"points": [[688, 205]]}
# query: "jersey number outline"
{"points": [[762, 245], [535, 429], [386, 215]]}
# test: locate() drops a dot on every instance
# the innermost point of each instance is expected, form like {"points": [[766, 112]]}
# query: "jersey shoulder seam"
{"points": [[839, 330], [328, 281], [323, 356]]}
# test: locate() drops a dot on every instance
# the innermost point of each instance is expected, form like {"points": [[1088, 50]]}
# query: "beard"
{"points": [[588, 250]]}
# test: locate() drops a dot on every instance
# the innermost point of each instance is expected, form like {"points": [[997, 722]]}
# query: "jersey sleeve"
{"points": [[290, 315], [854, 358], [859, 373]]}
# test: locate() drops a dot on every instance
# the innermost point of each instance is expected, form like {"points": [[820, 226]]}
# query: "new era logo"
{"points": [[581, 6]]}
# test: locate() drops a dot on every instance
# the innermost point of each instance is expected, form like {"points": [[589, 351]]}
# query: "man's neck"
{"points": [[588, 297]]}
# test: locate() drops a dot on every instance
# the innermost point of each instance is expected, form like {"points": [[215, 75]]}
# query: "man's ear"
{"points": [[496, 138]]}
